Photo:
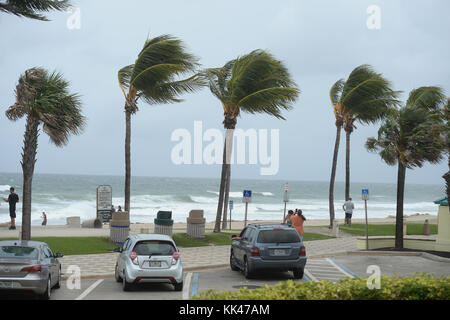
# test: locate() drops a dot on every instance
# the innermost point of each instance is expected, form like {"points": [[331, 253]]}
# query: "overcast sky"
{"points": [[319, 41]]}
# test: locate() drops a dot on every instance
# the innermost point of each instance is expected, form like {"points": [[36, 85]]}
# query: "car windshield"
{"points": [[154, 247], [278, 236], [18, 252]]}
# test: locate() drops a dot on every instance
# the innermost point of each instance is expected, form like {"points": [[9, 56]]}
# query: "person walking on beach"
{"points": [[44, 219], [348, 207], [13, 198], [119, 209]]}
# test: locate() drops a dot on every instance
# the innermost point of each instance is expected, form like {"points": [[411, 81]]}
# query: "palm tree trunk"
{"points": [[227, 195], [221, 189], [333, 174], [28, 162], [347, 164], [400, 197], [127, 160]]}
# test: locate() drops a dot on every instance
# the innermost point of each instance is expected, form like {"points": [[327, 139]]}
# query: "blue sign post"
{"points": [[247, 198], [231, 208], [365, 197]]}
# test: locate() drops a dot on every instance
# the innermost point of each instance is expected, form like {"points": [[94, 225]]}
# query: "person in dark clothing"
{"points": [[12, 200]]}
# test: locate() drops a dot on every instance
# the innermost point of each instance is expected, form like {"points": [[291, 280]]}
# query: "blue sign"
{"points": [[365, 191], [247, 193], [231, 204]]}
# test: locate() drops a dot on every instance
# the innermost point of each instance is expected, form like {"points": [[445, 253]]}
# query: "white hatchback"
{"points": [[148, 258]]}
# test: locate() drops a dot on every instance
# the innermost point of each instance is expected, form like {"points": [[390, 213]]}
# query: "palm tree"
{"points": [[154, 77], [44, 99], [446, 176], [365, 97], [33, 8], [409, 138], [335, 94], [253, 83]]}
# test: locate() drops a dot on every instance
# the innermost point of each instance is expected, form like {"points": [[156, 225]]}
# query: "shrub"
{"points": [[420, 287]]}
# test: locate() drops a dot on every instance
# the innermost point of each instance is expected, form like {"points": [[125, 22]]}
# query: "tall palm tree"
{"points": [[154, 77], [253, 83], [366, 97], [33, 8], [44, 99], [446, 176], [409, 138], [335, 94]]}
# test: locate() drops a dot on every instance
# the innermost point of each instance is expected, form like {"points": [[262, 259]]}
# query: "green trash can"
{"points": [[164, 223]]}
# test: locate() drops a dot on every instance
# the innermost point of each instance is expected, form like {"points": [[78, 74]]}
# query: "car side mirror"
{"points": [[119, 249], [59, 255]]}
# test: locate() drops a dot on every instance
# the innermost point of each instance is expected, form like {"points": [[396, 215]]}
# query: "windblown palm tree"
{"points": [[33, 9], [410, 138], [45, 100], [365, 97], [154, 77], [446, 176], [253, 83], [335, 95]]}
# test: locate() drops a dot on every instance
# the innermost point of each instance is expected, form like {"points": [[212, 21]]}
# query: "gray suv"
{"points": [[268, 247]]}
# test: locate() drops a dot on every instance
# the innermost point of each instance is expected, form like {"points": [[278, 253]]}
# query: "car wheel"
{"points": [[126, 286], [116, 274], [248, 273], [178, 286], [232, 265], [298, 273], [58, 284], [47, 293]]}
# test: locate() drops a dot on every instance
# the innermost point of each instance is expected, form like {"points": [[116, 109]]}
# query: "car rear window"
{"points": [[278, 236], [152, 247], [19, 252]]}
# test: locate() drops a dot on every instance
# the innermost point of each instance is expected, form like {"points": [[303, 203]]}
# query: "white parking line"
{"points": [[339, 268], [325, 269], [187, 285], [89, 290]]}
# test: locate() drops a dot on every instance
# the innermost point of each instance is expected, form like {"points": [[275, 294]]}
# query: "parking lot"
{"points": [[330, 268]]}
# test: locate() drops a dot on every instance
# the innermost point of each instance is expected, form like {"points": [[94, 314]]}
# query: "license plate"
{"points": [[279, 252], [6, 284], [154, 264]]}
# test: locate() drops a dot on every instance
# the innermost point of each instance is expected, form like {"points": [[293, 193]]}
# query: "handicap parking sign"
{"points": [[365, 194], [247, 196]]}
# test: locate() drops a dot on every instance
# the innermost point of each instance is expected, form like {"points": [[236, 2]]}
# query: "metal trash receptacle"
{"points": [[196, 224], [163, 223], [119, 227]]}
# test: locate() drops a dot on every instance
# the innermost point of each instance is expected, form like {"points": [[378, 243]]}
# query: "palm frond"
{"points": [[33, 8]]}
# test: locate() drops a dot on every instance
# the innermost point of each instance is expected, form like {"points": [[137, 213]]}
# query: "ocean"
{"points": [[62, 196]]}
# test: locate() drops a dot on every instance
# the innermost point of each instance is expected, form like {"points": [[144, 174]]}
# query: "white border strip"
{"points": [[187, 286], [309, 275], [340, 269], [89, 290]]}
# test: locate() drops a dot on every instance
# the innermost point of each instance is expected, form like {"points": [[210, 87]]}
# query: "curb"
{"points": [[425, 255]]}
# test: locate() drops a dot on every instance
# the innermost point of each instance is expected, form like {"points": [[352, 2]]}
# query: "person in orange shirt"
{"points": [[297, 221]]}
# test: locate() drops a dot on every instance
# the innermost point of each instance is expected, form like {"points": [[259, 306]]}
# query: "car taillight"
{"points": [[254, 252], [302, 251], [133, 257], [175, 257], [32, 269]]}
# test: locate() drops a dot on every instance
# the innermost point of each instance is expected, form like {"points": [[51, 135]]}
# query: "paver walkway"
{"points": [[197, 257]]}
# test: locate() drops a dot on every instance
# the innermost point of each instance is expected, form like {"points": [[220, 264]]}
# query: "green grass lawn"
{"points": [[224, 238], [77, 245], [385, 229], [94, 245]]}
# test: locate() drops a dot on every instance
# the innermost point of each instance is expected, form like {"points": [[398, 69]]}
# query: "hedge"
{"points": [[419, 287]]}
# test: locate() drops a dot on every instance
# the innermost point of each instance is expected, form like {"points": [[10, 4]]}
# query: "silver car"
{"points": [[149, 258], [29, 266]]}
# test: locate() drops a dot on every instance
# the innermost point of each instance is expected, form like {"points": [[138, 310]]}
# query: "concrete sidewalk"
{"points": [[102, 265]]}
